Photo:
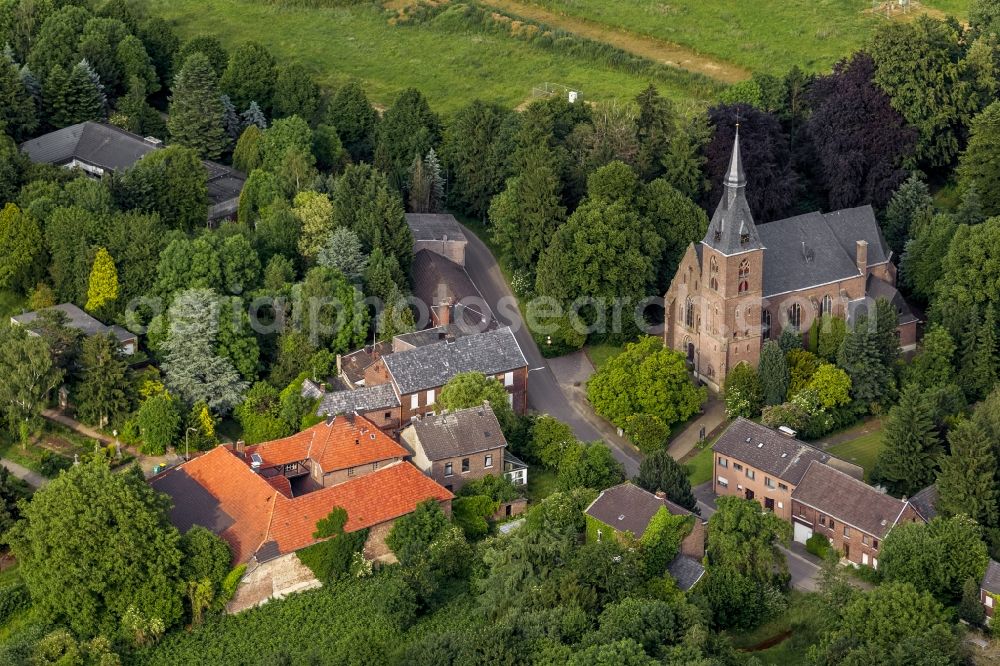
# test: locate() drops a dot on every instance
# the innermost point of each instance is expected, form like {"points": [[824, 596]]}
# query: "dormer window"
{"points": [[718, 235], [744, 239]]}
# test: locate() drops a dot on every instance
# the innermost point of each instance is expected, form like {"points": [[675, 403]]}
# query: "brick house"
{"points": [[743, 284], [989, 589], [417, 374], [854, 516], [266, 509], [625, 512], [755, 462], [455, 447]]}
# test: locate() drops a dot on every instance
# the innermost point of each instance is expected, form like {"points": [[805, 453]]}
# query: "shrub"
{"points": [[13, 598], [332, 559], [229, 584], [818, 545], [50, 464]]}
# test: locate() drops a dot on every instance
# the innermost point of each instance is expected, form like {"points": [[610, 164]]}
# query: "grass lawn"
{"points": [[450, 64], [541, 483], [699, 466], [794, 631], [861, 451], [765, 36], [600, 354]]}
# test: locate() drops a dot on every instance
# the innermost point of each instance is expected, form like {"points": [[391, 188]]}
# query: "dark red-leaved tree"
{"points": [[859, 140], [772, 183]]}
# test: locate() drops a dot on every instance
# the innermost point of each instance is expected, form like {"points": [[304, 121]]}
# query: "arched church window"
{"points": [[744, 276], [713, 269], [689, 312], [765, 324], [827, 305], [795, 316]]}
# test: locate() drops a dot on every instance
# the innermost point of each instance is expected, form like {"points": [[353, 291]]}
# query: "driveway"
{"points": [[801, 565], [544, 392]]}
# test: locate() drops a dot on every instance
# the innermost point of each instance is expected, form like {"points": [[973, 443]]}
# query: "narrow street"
{"points": [[545, 394]]}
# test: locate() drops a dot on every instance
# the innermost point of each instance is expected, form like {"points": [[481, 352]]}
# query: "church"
{"points": [[743, 284]]}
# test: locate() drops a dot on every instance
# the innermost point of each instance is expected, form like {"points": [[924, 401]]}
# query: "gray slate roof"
{"points": [[925, 502], [361, 400], [991, 579], [80, 320], [686, 571], [731, 229], [879, 288], [458, 433], [426, 226], [628, 508], [430, 336], [112, 148], [848, 500], [433, 365], [816, 248], [437, 279], [782, 457]]}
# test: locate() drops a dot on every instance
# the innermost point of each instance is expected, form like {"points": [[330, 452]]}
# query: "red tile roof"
{"points": [[346, 441], [221, 492], [281, 484]]}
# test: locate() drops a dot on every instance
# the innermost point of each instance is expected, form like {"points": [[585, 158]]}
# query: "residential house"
{"points": [[925, 503], [99, 148], [625, 511], [76, 318], [745, 283], [438, 233], [265, 503], [755, 462], [455, 447], [854, 516], [989, 589], [379, 404], [448, 293], [418, 374]]}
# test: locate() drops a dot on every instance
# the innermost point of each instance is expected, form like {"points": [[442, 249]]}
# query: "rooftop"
{"points": [[426, 226], [337, 443], [848, 500], [221, 493], [878, 288], [731, 229], [925, 502], [360, 400], [437, 280], [782, 457], [353, 365], [628, 508], [429, 336], [687, 571], [456, 433], [111, 148], [431, 366], [991, 579], [80, 320]]}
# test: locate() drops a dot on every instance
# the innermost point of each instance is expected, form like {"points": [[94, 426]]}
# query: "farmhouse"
{"points": [[744, 284], [98, 148], [76, 318]]}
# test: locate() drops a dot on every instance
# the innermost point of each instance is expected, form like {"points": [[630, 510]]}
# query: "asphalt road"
{"points": [[544, 393]]}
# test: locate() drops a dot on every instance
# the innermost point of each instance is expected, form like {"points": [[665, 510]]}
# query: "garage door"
{"points": [[802, 532]]}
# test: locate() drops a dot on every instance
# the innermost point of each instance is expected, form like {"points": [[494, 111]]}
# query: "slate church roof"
{"points": [[732, 230]]}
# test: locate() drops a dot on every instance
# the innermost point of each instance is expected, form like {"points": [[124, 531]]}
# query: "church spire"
{"points": [[732, 229]]}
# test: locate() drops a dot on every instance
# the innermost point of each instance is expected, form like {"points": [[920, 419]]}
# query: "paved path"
{"points": [[544, 392], [76, 426], [713, 417], [34, 479]]}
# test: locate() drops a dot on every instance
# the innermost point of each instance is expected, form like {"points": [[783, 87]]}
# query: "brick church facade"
{"points": [[744, 284]]}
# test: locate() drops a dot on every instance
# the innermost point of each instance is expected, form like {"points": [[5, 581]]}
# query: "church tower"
{"points": [[732, 262]]}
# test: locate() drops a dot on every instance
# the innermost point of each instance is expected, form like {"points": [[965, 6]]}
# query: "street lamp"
{"points": [[186, 440]]}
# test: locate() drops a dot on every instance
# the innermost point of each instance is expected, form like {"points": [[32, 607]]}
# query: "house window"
{"points": [[768, 482], [795, 316], [780, 505], [449, 469], [465, 465], [822, 520], [875, 544], [488, 460], [723, 481], [738, 467], [375, 465], [600, 535], [827, 305], [723, 462], [744, 275], [989, 601], [865, 540], [765, 324], [713, 281], [430, 397], [415, 401], [508, 379], [847, 532], [782, 486], [689, 313], [388, 415], [750, 474]]}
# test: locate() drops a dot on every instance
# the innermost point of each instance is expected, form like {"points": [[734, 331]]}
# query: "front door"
{"points": [[690, 351], [749, 494], [847, 551], [769, 504]]}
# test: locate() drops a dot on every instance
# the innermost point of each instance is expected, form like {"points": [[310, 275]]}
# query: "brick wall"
{"points": [[739, 482], [424, 403], [335, 477], [856, 545], [477, 468]]}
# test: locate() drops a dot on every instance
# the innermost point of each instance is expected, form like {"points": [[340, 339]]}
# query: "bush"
{"points": [[50, 464], [818, 545], [13, 598], [332, 559], [472, 514], [230, 583]]}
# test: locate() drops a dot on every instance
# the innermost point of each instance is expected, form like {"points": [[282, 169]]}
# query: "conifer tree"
{"points": [[101, 396], [966, 482], [231, 119], [254, 116], [432, 167], [70, 97], [978, 374], [419, 189], [17, 108], [355, 119], [95, 81], [910, 446], [103, 288], [861, 357], [196, 111], [773, 373]]}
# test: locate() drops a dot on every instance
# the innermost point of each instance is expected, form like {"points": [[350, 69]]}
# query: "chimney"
{"points": [[861, 256], [444, 313], [329, 420], [340, 368], [241, 446]]}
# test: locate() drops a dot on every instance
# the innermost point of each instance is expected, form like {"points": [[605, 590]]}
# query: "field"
{"points": [[449, 62], [861, 451], [766, 36]]}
